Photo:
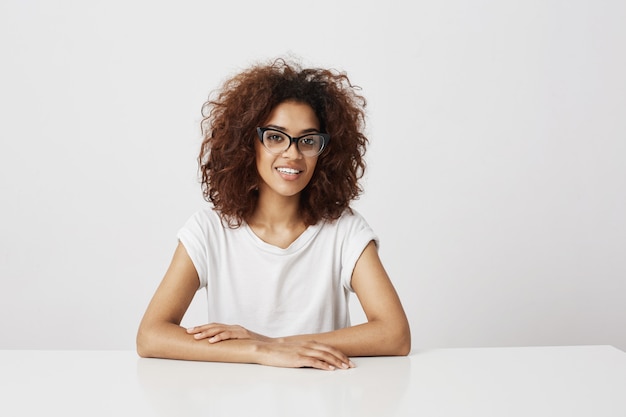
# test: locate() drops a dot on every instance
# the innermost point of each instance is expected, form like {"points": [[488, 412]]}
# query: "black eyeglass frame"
{"points": [[325, 140]]}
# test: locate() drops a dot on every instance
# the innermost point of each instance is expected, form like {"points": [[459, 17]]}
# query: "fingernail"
{"points": [[344, 366], [332, 368], [352, 365]]}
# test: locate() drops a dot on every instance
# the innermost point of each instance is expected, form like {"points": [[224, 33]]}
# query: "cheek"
{"points": [[311, 168], [259, 157], [312, 164], [264, 161]]}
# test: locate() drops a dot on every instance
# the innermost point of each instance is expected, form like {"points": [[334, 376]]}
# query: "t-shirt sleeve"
{"points": [[358, 235], [193, 236]]}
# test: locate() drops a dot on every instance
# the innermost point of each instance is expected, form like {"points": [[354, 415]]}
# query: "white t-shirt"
{"points": [[277, 292]]}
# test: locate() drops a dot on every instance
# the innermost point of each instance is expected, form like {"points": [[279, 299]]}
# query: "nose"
{"points": [[292, 152]]}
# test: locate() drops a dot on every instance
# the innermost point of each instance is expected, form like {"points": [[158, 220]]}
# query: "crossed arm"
{"points": [[386, 331]]}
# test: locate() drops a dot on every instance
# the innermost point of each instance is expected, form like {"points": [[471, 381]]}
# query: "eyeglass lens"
{"points": [[277, 142]]}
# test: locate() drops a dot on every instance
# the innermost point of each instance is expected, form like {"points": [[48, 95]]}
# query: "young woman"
{"points": [[280, 249]]}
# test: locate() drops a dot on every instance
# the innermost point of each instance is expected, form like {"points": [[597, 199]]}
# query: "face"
{"points": [[287, 173]]}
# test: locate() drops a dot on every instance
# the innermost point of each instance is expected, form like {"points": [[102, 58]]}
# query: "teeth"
{"points": [[288, 171]]}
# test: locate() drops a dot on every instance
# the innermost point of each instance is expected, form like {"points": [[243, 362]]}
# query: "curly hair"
{"points": [[227, 164]]}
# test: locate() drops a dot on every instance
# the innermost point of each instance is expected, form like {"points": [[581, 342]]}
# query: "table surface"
{"points": [[525, 381]]}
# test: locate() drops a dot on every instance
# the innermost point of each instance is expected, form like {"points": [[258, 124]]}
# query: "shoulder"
{"points": [[351, 218], [203, 223], [207, 217], [349, 225]]}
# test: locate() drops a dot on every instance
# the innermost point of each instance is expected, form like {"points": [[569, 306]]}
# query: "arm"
{"points": [[160, 334], [386, 332]]}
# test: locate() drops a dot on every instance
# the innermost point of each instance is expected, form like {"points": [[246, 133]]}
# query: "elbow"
{"points": [[402, 347], [394, 339], [142, 351], [405, 348], [143, 343]]}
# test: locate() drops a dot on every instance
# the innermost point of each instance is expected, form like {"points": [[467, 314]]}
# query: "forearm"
{"points": [[374, 338], [170, 341]]}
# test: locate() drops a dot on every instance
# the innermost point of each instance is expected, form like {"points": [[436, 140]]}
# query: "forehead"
{"points": [[293, 116]]}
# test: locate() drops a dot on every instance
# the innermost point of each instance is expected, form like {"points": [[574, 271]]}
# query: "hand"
{"points": [[216, 332], [303, 354]]}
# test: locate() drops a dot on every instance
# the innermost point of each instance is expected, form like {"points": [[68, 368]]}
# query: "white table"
{"points": [[533, 381]]}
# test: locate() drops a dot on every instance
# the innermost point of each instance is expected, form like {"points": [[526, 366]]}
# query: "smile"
{"points": [[289, 171]]}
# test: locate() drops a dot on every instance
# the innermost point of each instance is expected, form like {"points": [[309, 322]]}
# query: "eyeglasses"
{"points": [[277, 142]]}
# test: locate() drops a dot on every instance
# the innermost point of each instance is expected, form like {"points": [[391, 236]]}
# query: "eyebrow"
{"points": [[302, 132]]}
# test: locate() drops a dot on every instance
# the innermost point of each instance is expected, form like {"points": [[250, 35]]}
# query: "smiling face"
{"points": [[287, 173]]}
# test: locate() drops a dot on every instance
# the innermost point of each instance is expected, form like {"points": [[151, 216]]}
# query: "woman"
{"points": [[280, 249]]}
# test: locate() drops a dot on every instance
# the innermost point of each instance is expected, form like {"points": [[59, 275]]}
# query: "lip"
{"points": [[289, 168], [288, 172]]}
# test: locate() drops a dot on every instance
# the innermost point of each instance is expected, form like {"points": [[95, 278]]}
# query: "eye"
{"points": [[274, 137], [310, 141]]}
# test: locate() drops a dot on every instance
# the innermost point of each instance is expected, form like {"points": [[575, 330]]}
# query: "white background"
{"points": [[496, 177]]}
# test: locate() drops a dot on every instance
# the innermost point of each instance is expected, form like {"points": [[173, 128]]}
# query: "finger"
{"points": [[206, 331], [218, 334], [225, 335], [332, 355], [203, 327], [320, 353], [212, 333], [309, 362]]}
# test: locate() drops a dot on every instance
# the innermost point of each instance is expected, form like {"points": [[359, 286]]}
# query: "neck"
{"points": [[277, 221], [277, 212]]}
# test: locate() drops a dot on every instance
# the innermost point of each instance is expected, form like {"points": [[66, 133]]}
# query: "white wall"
{"points": [[496, 177]]}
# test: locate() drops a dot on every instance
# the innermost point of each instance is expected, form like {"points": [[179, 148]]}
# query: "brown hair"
{"points": [[227, 157]]}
